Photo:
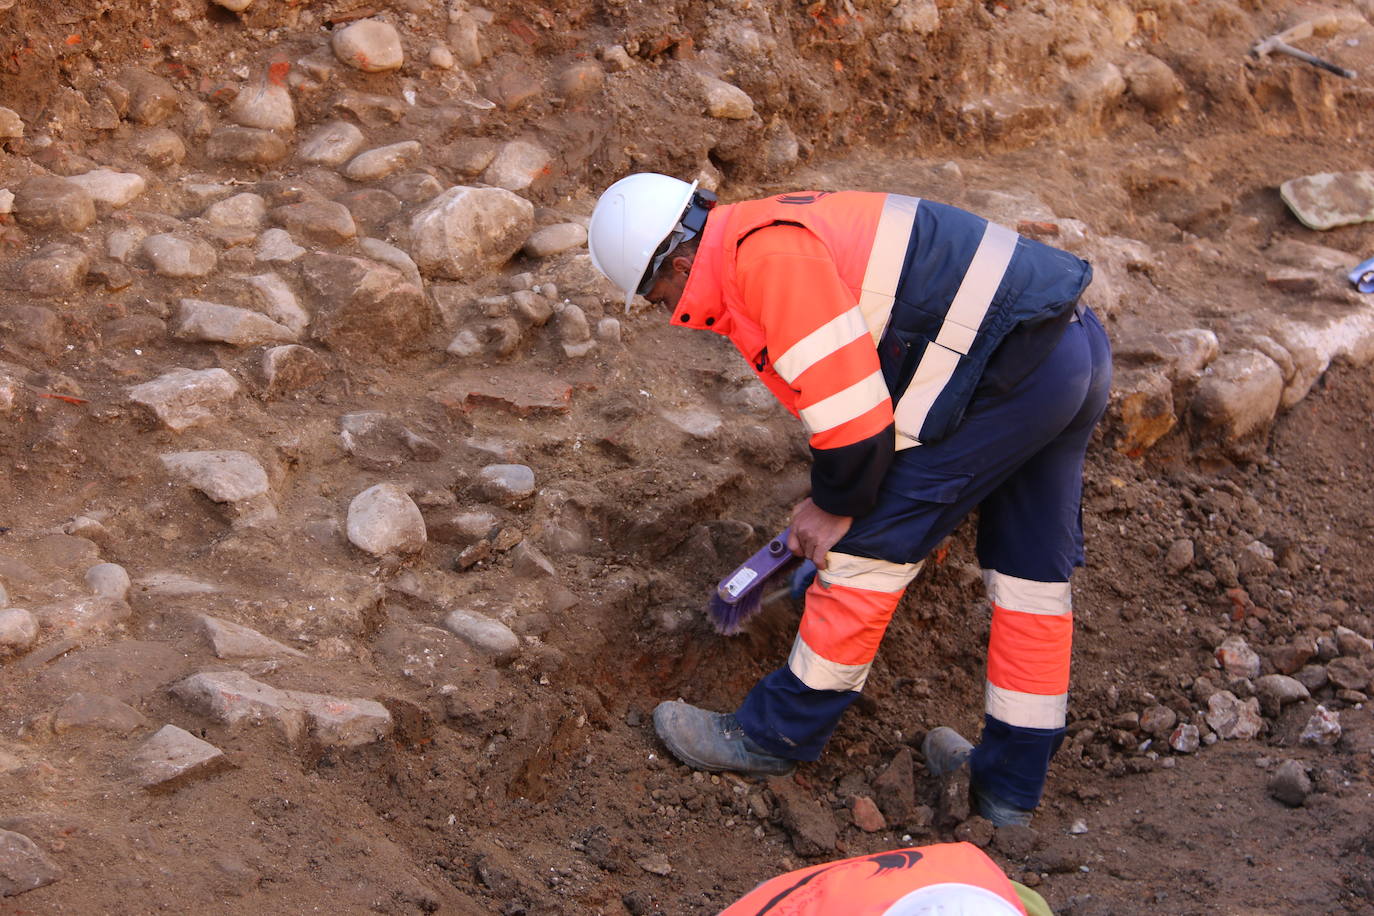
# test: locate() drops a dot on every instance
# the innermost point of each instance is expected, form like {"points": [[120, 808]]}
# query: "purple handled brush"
{"points": [[740, 594]]}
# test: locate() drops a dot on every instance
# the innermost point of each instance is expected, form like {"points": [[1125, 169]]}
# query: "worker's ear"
{"points": [[682, 264]]}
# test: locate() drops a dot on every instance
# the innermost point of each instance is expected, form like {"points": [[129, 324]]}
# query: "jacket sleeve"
{"points": [[820, 346]]}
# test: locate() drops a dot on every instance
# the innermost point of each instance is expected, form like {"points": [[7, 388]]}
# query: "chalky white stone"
{"points": [[517, 165], [184, 398], [111, 188]]}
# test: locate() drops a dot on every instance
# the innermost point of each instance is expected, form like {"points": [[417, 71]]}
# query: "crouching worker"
{"points": [[952, 879], [939, 363]]}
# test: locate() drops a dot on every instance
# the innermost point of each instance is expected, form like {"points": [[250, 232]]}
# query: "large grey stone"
{"points": [[233, 640], [724, 100], [321, 221], [241, 211], [331, 144], [23, 866], [150, 99], [1330, 199], [506, 483], [246, 146], [466, 232], [371, 45], [58, 270], [481, 632], [364, 308], [392, 256], [1276, 691], [47, 203], [1290, 783], [184, 398], [336, 722], [18, 631], [109, 580], [384, 519], [265, 104], [173, 756], [96, 711], [279, 302], [233, 698], [212, 322], [178, 256], [376, 164], [225, 476], [275, 245]]}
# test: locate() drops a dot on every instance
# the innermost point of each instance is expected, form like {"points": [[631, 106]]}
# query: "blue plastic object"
{"points": [[802, 578], [1363, 276]]}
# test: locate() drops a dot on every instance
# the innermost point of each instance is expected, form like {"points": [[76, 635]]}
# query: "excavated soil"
{"points": [[536, 785]]}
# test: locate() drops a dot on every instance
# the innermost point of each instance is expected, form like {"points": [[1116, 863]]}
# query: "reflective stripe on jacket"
{"points": [[871, 317], [868, 885]]}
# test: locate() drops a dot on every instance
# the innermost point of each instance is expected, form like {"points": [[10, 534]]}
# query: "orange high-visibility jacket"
{"points": [[872, 317], [868, 885]]}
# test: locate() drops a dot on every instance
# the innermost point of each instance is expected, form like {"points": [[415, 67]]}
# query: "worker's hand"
{"points": [[815, 531]]}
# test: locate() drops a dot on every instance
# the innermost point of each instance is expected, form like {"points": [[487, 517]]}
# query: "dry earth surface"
{"points": [[350, 531]]}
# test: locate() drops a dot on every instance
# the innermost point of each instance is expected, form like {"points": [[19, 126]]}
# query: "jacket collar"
{"points": [[702, 305]]}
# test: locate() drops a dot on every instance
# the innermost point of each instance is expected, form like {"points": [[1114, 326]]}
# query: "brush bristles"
{"points": [[729, 618]]}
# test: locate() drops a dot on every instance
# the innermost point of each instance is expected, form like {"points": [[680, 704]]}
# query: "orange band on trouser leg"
{"points": [[1028, 667], [839, 635]]}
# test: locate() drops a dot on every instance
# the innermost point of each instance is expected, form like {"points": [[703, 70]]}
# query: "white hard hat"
{"points": [[630, 221], [951, 899]]}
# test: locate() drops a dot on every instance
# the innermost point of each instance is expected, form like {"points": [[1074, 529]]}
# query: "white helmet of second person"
{"points": [[951, 899], [630, 222]]}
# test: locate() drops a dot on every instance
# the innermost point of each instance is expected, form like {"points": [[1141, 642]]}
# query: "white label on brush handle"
{"points": [[739, 582]]}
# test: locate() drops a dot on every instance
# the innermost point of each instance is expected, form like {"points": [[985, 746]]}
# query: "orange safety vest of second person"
{"points": [[869, 885]]}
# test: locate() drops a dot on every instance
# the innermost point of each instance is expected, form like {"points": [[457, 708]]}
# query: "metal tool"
{"points": [[1279, 44]]}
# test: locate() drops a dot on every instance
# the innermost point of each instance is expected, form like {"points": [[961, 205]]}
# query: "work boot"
{"points": [[707, 740], [947, 752]]}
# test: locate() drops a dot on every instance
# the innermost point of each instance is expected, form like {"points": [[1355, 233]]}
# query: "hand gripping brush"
{"points": [[740, 595]]}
